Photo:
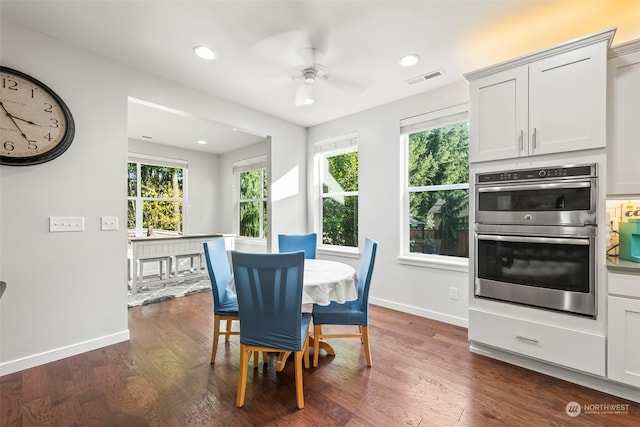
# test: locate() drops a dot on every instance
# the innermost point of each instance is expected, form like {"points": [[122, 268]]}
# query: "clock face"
{"points": [[35, 124]]}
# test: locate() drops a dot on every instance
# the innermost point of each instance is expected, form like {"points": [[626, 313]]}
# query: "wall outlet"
{"points": [[453, 293], [66, 223], [109, 223]]}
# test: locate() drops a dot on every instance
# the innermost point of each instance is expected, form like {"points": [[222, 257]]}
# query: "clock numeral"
{"points": [[8, 146], [48, 107], [54, 123], [9, 84], [48, 137], [32, 145]]}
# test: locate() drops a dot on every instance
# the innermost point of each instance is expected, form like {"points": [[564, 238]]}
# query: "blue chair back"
{"points": [[215, 253], [365, 273], [298, 242], [269, 289]]}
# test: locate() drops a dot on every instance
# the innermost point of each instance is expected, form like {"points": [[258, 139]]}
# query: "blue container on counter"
{"points": [[630, 240]]}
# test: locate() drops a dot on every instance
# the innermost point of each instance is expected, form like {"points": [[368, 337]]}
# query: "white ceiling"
{"points": [[256, 43]]}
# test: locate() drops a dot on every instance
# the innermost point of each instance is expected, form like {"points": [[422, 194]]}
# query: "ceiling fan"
{"points": [[310, 72]]}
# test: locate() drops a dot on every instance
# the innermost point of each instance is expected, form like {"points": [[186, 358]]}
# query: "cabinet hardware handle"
{"points": [[534, 138], [531, 340], [521, 140]]}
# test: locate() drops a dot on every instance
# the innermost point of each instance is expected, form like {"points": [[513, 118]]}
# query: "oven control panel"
{"points": [[538, 174]]}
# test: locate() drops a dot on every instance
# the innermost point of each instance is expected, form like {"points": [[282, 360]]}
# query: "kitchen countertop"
{"points": [[186, 236], [618, 264]]}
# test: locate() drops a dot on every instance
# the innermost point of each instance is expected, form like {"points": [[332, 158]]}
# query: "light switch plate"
{"points": [[66, 223], [109, 223]]}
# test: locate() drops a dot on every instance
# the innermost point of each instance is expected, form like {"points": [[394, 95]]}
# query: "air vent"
{"points": [[424, 77]]}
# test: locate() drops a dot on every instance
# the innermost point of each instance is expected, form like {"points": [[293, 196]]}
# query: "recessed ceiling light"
{"points": [[202, 142], [409, 60], [204, 52]]}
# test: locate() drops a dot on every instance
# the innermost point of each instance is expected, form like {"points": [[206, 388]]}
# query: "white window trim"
{"points": [[342, 144], [240, 166], [148, 159], [410, 125]]}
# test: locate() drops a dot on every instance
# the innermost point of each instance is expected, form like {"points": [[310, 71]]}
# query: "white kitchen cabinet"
{"points": [[548, 102], [624, 328], [623, 107], [566, 347]]}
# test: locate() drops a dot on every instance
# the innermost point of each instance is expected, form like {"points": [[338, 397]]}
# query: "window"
{"points": [[155, 197], [337, 166], [437, 191], [252, 199]]}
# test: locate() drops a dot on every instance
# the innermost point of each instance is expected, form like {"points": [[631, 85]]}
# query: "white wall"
{"points": [[67, 291], [419, 290]]}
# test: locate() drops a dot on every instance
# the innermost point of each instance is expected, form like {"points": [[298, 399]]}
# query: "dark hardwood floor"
{"points": [[423, 375]]}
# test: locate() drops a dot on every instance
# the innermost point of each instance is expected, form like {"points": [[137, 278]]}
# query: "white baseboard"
{"points": [[434, 315], [61, 353]]}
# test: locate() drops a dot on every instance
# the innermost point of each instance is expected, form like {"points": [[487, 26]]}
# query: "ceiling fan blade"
{"points": [[268, 83], [346, 85], [281, 48], [304, 93]]}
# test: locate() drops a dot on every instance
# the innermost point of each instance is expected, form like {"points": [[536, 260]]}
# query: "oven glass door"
{"points": [[534, 198], [540, 266], [552, 263], [565, 203]]}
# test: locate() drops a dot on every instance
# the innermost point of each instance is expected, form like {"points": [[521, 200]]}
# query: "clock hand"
{"points": [[26, 121], [14, 122]]}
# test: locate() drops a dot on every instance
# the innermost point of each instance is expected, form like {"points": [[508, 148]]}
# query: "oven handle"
{"points": [[526, 239], [545, 186]]}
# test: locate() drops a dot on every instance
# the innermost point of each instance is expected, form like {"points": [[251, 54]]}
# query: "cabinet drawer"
{"points": [[624, 284], [570, 348]]}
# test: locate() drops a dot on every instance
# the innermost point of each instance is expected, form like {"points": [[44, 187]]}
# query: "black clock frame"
{"points": [[67, 138]]}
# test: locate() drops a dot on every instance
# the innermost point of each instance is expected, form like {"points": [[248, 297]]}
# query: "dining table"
{"points": [[324, 281]]}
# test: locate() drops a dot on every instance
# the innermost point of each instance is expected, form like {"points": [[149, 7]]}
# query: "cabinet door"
{"points": [[624, 340], [498, 116], [567, 101], [624, 105]]}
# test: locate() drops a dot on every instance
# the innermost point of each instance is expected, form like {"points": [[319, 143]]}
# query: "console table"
{"points": [[167, 250]]}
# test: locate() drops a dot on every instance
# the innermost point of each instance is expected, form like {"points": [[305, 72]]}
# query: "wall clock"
{"points": [[36, 125]]}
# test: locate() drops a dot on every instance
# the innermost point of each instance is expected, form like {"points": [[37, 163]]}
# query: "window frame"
{"points": [[431, 120], [138, 199], [249, 165], [321, 150]]}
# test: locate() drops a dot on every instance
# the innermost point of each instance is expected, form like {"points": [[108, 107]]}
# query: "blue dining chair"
{"points": [[225, 303], [350, 313], [298, 242], [269, 289]]}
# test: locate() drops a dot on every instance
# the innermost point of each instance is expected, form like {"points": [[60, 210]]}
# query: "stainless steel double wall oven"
{"points": [[535, 237]]}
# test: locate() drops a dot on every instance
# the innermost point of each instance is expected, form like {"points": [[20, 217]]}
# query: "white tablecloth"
{"points": [[325, 281]]}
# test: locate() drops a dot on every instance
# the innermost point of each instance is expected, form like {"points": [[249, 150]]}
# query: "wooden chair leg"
{"points": [[367, 346], [299, 388], [305, 349], [228, 334], [317, 334], [216, 334], [242, 375]]}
